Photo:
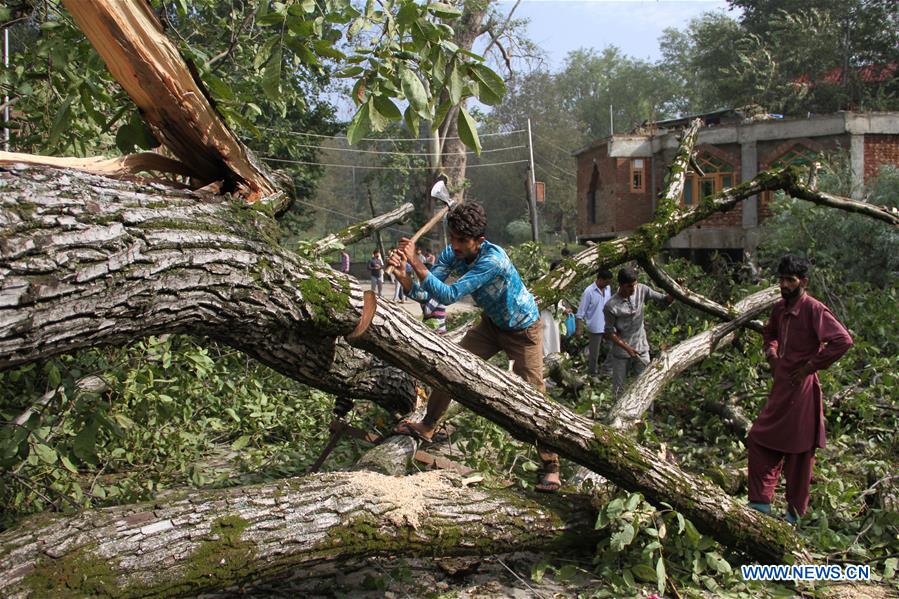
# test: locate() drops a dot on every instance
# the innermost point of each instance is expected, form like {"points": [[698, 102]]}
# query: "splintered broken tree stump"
{"points": [[89, 261], [221, 542]]}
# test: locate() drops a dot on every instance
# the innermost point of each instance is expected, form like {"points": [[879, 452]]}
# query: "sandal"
{"points": [[407, 427], [544, 485]]}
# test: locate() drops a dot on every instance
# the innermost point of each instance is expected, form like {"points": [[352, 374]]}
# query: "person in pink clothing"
{"points": [[801, 337]]}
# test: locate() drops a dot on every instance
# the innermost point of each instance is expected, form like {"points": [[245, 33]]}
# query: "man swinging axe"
{"points": [[510, 320]]}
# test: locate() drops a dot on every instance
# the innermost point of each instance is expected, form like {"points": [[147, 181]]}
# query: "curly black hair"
{"points": [[794, 265], [468, 220]]}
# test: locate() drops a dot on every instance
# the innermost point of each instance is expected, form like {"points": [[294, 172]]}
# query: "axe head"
{"points": [[440, 192]]}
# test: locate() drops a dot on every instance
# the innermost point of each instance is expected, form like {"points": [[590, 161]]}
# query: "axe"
{"points": [[438, 192]]}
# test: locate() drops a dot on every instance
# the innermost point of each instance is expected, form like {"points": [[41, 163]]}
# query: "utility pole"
{"points": [[5, 97], [532, 188]]}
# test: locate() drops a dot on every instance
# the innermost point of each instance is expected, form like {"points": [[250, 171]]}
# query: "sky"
{"points": [[560, 26]]}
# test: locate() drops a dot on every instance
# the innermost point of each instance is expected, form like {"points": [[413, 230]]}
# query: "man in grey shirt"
{"points": [[624, 326]]}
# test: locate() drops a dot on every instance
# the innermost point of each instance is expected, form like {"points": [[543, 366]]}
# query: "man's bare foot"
{"points": [[548, 480]]}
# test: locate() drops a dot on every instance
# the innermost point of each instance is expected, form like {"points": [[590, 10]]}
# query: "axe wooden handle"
{"points": [[424, 229]]}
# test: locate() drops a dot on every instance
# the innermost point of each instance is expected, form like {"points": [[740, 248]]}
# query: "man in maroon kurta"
{"points": [[801, 337]]}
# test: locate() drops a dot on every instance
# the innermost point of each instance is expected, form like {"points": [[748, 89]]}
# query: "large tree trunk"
{"points": [[221, 542], [86, 261]]}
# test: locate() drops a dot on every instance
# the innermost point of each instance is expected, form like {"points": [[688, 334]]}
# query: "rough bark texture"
{"points": [[87, 261], [129, 37], [358, 231], [670, 363], [220, 542]]}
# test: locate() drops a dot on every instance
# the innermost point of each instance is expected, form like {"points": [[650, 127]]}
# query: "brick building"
{"points": [[619, 177]]}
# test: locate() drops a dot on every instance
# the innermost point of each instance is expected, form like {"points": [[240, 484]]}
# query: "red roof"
{"points": [[872, 73]]}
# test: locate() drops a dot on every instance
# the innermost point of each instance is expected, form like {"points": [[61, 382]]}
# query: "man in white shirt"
{"points": [[589, 312]]}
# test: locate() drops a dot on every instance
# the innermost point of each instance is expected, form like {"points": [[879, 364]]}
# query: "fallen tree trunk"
{"points": [[222, 541], [194, 266], [88, 261], [670, 363]]}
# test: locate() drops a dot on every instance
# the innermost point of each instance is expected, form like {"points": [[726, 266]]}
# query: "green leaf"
{"points": [[408, 14], [455, 85], [633, 501], [411, 119], [60, 121], [230, 412], [660, 575], [644, 572], [308, 6], [240, 442], [46, 453], [440, 114], [718, 563], [378, 120], [68, 465], [265, 51], [622, 538], [387, 108], [889, 567], [359, 126], [496, 87], [271, 78], [85, 441], [444, 11], [539, 570], [468, 131], [220, 90], [414, 92]]}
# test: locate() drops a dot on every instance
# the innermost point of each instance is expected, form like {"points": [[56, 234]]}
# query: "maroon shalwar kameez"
{"points": [[791, 425]]}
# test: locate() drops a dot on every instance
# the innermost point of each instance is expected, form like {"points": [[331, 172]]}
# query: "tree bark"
{"points": [[358, 231], [221, 542], [181, 263], [694, 300], [86, 261], [173, 101]]}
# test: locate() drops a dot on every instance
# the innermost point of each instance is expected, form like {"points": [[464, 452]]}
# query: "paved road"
{"points": [[464, 305]]}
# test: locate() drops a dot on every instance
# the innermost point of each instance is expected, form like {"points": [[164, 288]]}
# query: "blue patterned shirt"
{"points": [[492, 281]]}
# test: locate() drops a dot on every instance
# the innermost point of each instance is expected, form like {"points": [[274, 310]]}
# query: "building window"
{"points": [[798, 155], [716, 176], [637, 174]]}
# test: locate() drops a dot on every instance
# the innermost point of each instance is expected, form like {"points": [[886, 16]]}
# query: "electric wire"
{"points": [[326, 149], [388, 168], [384, 138], [350, 217]]}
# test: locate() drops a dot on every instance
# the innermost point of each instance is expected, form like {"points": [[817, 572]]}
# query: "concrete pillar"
{"points": [[749, 168], [857, 165]]}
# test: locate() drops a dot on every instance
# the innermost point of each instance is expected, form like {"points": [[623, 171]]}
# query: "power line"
{"points": [[558, 147], [380, 138], [326, 148], [388, 168]]}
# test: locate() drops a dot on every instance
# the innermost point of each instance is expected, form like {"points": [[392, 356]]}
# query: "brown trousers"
{"points": [[524, 348]]}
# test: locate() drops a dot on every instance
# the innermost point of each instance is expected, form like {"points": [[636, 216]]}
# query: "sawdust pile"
{"points": [[408, 494]]}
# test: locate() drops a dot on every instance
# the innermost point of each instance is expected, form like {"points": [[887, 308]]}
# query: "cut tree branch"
{"points": [[358, 231], [129, 37], [695, 300], [121, 166], [670, 363]]}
